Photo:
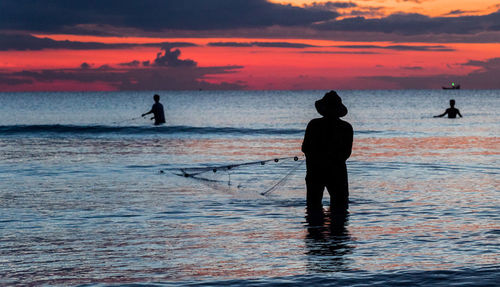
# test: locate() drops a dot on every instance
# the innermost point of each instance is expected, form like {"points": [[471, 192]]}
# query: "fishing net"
{"points": [[262, 177]]}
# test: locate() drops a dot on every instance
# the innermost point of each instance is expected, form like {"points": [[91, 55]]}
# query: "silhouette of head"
{"points": [[452, 103], [156, 98], [331, 105]]}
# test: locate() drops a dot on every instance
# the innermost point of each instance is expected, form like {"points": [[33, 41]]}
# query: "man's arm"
{"points": [[346, 133], [458, 112], [349, 140], [441, 115], [150, 112], [307, 139]]}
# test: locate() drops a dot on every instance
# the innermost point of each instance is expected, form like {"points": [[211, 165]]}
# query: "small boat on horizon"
{"points": [[453, 87]]}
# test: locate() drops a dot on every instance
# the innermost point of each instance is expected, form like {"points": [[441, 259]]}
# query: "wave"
{"points": [[344, 276], [139, 130], [362, 166]]}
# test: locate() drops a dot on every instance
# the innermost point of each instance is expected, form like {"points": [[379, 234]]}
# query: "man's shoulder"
{"points": [[345, 124], [315, 121]]}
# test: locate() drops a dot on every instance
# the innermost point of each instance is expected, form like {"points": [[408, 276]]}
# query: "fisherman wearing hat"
{"points": [[327, 145]]}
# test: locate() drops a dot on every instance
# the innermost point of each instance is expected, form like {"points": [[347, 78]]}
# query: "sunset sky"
{"points": [[107, 45]]}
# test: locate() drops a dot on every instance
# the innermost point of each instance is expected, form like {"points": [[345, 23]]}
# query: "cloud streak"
{"points": [[166, 72], [262, 44], [434, 48], [160, 78], [330, 5], [341, 52], [25, 42]]}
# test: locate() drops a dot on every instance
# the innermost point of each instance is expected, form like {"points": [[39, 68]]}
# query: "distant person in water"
{"points": [[157, 111], [327, 145], [451, 111]]}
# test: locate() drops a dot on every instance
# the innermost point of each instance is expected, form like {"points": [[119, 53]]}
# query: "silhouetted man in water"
{"points": [[327, 145], [157, 111], [451, 111]]}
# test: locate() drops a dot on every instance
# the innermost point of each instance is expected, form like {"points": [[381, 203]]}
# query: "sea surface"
{"points": [[92, 194]]}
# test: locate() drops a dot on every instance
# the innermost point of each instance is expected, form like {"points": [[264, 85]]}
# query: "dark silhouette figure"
{"points": [[327, 145], [328, 240], [157, 111], [451, 111]]}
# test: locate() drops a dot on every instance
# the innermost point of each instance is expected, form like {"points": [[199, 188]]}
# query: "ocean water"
{"points": [[92, 194]]}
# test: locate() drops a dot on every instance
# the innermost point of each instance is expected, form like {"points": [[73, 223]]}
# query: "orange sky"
{"points": [[271, 68], [333, 56], [426, 7]]}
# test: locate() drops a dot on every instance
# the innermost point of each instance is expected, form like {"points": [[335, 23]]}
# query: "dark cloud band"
{"points": [[155, 15], [158, 16], [25, 42], [434, 48], [261, 44], [415, 24]]}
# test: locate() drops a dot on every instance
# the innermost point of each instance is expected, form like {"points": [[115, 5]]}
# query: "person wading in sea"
{"points": [[157, 111], [451, 111], [327, 145]]}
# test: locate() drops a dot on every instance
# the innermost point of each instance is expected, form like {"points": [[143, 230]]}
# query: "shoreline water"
{"points": [[82, 200]]}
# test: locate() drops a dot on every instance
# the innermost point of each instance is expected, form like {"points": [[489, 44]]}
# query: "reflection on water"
{"points": [[437, 148], [80, 208], [328, 240]]}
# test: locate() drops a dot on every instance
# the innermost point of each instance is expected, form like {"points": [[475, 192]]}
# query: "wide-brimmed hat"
{"points": [[331, 105]]}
